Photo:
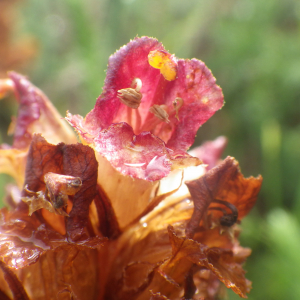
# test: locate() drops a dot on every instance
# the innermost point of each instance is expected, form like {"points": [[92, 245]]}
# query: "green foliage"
{"points": [[252, 47]]}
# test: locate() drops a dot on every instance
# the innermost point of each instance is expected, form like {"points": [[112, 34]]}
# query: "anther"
{"points": [[160, 112], [132, 96], [177, 103], [228, 219]]}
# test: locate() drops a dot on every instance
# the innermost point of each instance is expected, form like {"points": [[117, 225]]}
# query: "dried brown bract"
{"points": [[224, 182]]}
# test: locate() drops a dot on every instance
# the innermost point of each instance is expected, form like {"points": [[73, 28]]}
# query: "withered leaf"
{"points": [[80, 161], [75, 160], [15, 285], [224, 182], [136, 277], [3, 296], [221, 262], [42, 159], [108, 222]]}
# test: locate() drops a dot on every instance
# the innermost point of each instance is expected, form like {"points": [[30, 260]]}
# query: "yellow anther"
{"points": [[162, 60]]}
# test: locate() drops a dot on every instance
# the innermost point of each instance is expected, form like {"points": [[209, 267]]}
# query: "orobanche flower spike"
{"points": [[127, 213]]}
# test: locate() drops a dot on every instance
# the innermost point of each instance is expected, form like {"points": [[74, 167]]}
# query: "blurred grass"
{"points": [[252, 48]]}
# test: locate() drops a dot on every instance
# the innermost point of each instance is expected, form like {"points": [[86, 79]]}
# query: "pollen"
{"points": [[162, 60]]}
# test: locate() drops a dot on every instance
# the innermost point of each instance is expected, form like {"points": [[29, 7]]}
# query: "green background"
{"points": [[252, 48]]}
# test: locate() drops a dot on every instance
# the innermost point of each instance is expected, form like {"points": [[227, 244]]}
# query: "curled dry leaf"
{"points": [[77, 161], [220, 261], [224, 182], [48, 231], [14, 283]]}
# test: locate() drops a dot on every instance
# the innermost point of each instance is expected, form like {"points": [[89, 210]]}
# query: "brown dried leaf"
{"points": [[108, 223], [25, 238], [221, 262], [3, 296], [75, 160], [68, 267], [42, 159], [223, 182], [80, 161], [37, 201], [15, 285]]}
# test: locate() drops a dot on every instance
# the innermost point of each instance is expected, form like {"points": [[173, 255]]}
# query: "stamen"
{"points": [[177, 103], [132, 97], [160, 112], [228, 219], [137, 83]]}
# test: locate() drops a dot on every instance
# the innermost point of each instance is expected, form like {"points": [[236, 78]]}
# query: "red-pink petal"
{"points": [[105, 128], [210, 151], [141, 156], [129, 62], [194, 84]]}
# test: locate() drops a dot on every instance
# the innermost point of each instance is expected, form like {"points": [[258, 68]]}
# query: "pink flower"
{"points": [[137, 141]]}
